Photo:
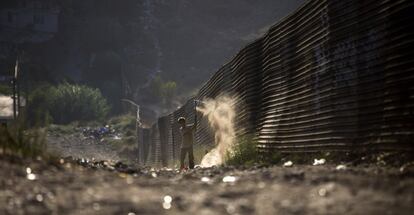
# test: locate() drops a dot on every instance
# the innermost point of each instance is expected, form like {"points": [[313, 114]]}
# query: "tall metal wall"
{"points": [[336, 74]]}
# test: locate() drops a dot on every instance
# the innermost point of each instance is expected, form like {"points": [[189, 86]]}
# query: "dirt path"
{"points": [[115, 188]]}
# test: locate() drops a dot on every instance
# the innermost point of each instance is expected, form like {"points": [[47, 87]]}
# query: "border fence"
{"points": [[334, 75]]}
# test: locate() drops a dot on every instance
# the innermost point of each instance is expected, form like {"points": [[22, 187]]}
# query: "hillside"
{"points": [[120, 48]]}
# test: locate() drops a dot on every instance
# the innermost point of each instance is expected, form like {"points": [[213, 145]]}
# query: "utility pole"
{"points": [[14, 99], [17, 87], [137, 128], [138, 119], [16, 94]]}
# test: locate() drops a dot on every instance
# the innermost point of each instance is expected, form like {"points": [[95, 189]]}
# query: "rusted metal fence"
{"points": [[336, 74]]}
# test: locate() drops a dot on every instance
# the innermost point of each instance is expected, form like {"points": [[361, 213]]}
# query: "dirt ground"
{"points": [[77, 145], [77, 185], [73, 186]]}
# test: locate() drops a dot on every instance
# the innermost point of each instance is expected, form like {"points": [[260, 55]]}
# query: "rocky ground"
{"points": [[90, 179], [83, 142], [78, 186], [79, 146]]}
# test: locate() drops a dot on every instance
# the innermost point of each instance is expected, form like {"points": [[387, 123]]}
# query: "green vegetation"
{"points": [[5, 89], [244, 152], [15, 140], [164, 91], [126, 126], [62, 129], [66, 103], [125, 123]]}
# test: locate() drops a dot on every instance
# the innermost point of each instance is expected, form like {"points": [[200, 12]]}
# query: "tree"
{"points": [[67, 102]]}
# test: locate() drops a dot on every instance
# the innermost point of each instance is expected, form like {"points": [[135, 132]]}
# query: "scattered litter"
{"points": [[122, 175], [98, 132], [153, 174], [322, 192], [28, 170], [116, 137], [167, 202], [205, 179], [167, 199], [131, 213], [406, 166], [328, 188], [229, 179], [288, 164], [84, 161], [31, 176], [341, 167], [166, 205], [317, 162], [39, 197]]}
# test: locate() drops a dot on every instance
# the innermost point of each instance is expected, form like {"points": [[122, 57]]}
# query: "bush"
{"points": [[66, 103], [5, 89], [16, 141], [126, 123], [243, 152]]}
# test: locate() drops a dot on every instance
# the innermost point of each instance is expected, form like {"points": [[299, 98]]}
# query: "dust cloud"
{"points": [[220, 114]]}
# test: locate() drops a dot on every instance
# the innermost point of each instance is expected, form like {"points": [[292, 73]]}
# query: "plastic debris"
{"points": [[205, 179], [167, 202], [288, 164], [31, 176], [317, 162], [154, 175], [229, 179], [168, 199], [341, 167], [39, 197], [166, 205]]}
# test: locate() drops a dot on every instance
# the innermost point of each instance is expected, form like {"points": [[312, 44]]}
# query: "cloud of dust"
{"points": [[220, 114]]}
